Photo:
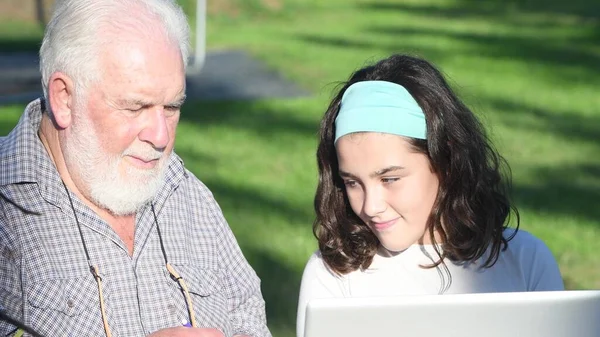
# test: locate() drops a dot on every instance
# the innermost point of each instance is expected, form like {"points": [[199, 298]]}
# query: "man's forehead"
{"points": [[136, 55], [143, 73], [129, 47]]}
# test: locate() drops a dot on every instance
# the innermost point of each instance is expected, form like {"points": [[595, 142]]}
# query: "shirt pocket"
{"points": [[208, 296], [66, 307]]}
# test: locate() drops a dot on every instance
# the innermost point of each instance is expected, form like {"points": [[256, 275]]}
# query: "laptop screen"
{"points": [[530, 314]]}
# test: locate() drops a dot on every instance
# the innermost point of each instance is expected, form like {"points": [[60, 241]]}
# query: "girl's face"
{"points": [[390, 186]]}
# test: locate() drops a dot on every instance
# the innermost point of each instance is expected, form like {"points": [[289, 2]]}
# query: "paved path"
{"points": [[226, 75]]}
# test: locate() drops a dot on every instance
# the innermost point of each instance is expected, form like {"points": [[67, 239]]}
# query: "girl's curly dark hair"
{"points": [[472, 207]]}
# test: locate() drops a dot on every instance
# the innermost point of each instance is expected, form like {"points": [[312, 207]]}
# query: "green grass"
{"points": [[17, 36], [529, 68]]}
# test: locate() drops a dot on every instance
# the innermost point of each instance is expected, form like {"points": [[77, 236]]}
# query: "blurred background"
{"points": [[529, 68]]}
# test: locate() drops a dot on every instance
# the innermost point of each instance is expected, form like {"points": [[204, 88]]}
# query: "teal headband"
{"points": [[380, 106]]}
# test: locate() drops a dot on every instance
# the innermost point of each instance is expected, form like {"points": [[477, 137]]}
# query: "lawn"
{"points": [[529, 68]]}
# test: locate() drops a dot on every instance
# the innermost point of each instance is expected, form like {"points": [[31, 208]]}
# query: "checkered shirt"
{"points": [[45, 280]]}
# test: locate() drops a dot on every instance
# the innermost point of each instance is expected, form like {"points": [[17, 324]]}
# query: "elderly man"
{"points": [[102, 229]]}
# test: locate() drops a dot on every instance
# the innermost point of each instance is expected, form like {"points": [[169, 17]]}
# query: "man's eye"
{"points": [[172, 110], [133, 111]]}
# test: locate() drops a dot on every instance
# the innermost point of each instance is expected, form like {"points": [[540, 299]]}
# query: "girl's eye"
{"points": [[350, 183], [389, 180]]}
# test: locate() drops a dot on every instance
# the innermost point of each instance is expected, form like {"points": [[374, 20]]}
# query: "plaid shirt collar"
{"points": [[23, 159]]}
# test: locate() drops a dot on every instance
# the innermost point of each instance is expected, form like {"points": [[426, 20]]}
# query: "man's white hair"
{"points": [[76, 32]]}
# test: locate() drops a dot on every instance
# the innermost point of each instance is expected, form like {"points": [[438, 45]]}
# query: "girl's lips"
{"points": [[380, 226]]}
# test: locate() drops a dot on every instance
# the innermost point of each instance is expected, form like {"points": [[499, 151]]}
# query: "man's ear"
{"points": [[61, 92]]}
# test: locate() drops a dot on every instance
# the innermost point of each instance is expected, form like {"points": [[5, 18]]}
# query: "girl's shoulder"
{"points": [[521, 239], [316, 266], [527, 249]]}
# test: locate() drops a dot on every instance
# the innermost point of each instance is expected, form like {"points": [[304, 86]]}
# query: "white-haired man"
{"points": [[102, 229]]}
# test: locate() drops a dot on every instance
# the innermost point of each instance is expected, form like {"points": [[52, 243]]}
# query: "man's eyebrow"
{"points": [[178, 102], [129, 102]]}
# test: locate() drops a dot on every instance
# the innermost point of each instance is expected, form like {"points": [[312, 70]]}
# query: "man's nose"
{"points": [[156, 128]]}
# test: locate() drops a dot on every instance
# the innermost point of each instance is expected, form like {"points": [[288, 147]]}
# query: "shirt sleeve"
{"points": [[10, 284], [545, 274], [242, 286], [317, 282]]}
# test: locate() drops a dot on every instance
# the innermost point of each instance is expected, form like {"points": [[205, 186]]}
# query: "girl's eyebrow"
{"points": [[387, 170], [345, 174], [374, 174]]}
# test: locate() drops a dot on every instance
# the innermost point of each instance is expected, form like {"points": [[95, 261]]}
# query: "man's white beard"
{"points": [[120, 193]]}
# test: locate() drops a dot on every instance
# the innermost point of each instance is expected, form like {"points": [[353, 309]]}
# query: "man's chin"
{"points": [[123, 204], [134, 177], [126, 195]]}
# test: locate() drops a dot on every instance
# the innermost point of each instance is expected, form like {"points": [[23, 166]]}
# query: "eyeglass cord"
{"points": [[175, 276]]}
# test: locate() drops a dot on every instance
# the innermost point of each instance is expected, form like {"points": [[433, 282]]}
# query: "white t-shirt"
{"points": [[526, 265]]}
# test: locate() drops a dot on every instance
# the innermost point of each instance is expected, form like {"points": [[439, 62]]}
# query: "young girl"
{"points": [[411, 198]]}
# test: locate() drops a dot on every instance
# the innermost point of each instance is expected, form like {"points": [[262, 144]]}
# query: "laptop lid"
{"points": [[524, 314]]}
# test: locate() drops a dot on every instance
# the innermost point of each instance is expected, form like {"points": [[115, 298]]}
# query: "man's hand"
{"points": [[187, 332]]}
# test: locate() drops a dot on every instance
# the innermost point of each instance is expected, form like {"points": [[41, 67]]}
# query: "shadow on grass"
{"points": [[371, 45], [570, 61], [280, 286], [584, 9], [367, 44], [564, 124], [8, 45], [246, 200], [589, 9], [572, 190], [508, 47], [256, 117], [570, 53]]}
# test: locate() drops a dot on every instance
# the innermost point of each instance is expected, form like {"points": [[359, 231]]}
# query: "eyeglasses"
{"points": [[175, 276]]}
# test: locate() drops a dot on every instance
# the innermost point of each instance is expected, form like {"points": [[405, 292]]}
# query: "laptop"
{"points": [[521, 314]]}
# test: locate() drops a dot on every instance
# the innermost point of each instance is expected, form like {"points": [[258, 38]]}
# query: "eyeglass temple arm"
{"points": [[175, 275]]}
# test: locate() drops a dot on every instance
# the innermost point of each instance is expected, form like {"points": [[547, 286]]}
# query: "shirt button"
{"points": [[70, 303]]}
